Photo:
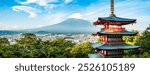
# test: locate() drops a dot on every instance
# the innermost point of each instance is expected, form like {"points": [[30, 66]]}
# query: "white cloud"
{"points": [[48, 5], [76, 15], [29, 1], [40, 2], [33, 12], [45, 2], [68, 1], [55, 18]]}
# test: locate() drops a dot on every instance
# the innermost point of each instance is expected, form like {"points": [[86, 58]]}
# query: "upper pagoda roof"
{"points": [[117, 19], [105, 46], [114, 20]]}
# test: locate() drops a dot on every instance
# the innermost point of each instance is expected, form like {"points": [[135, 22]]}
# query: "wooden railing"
{"points": [[113, 29]]}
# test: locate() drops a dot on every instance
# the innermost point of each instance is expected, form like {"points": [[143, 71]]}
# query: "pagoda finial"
{"points": [[112, 8]]}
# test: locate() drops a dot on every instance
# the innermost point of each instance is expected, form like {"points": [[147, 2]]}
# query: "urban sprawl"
{"points": [[76, 38]]}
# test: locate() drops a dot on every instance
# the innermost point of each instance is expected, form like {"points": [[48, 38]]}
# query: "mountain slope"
{"points": [[69, 26]]}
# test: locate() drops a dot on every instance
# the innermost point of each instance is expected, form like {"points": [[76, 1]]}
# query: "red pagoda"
{"points": [[112, 45]]}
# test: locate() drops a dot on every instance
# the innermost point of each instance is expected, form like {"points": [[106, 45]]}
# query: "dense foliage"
{"points": [[29, 46], [144, 42]]}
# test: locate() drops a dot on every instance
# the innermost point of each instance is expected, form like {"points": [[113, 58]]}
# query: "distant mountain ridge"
{"points": [[69, 26], [8, 32]]}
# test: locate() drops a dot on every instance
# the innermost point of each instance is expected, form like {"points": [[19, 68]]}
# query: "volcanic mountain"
{"points": [[69, 26]]}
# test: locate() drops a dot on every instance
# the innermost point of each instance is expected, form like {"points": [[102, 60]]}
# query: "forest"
{"points": [[31, 47]]}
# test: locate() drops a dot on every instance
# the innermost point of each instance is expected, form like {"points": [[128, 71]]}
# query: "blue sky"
{"points": [[25, 14]]}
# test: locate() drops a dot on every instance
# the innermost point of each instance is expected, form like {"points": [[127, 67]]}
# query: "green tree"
{"points": [[4, 41], [27, 41], [57, 48], [131, 39], [82, 50], [5, 48], [28, 45], [6, 51], [100, 38], [144, 43]]}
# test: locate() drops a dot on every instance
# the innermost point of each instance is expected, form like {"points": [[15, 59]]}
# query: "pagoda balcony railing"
{"points": [[113, 29], [112, 52], [115, 43]]}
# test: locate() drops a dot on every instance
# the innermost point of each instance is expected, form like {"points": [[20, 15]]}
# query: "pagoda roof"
{"points": [[114, 20], [118, 19], [117, 33], [107, 46]]}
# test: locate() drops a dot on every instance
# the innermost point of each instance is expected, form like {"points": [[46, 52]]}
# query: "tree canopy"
{"points": [[29, 46]]}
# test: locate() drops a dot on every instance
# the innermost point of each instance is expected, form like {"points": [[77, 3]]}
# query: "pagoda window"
{"points": [[106, 26], [105, 39], [105, 53], [101, 52]]}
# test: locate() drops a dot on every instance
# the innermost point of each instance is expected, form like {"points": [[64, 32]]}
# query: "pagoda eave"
{"points": [[114, 20], [127, 33], [109, 47], [117, 49], [104, 22]]}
